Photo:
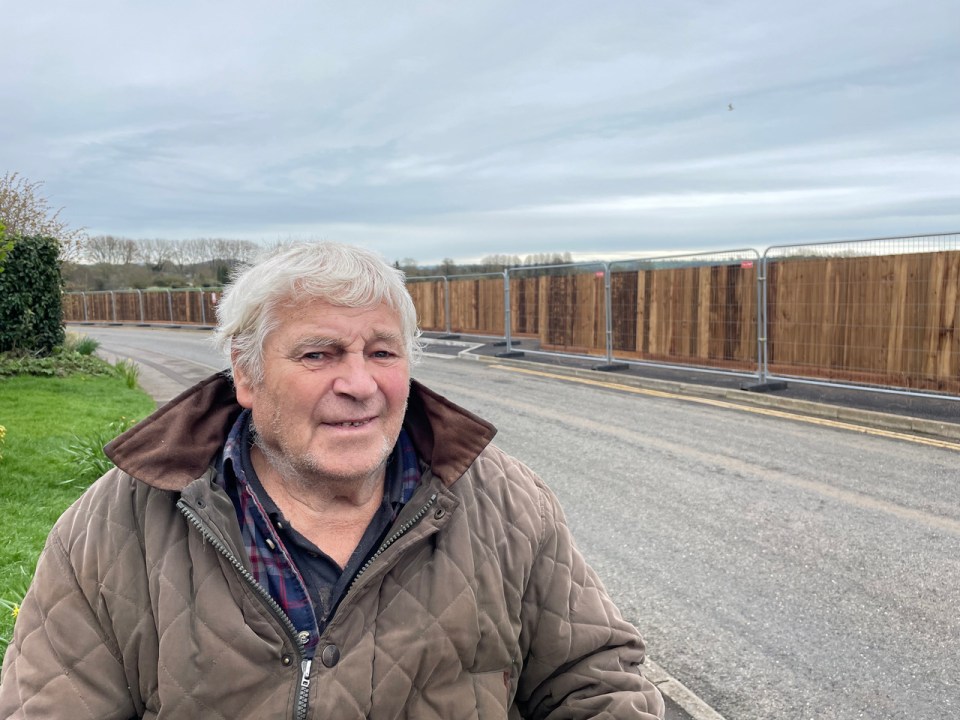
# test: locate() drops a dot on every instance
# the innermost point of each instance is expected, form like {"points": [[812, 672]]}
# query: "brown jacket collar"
{"points": [[175, 445]]}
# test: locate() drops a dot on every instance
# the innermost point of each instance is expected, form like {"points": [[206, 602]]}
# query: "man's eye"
{"points": [[382, 354], [313, 357]]}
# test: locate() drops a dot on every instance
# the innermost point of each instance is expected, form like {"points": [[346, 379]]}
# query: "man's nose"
{"points": [[354, 377]]}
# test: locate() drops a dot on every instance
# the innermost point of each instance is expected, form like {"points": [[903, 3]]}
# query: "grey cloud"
{"points": [[445, 129]]}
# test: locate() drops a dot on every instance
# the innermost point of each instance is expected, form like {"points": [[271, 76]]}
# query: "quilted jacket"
{"points": [[478, 605]]}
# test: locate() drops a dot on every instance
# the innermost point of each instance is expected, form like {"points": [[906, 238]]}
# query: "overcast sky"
{"points": [[462, 129]]}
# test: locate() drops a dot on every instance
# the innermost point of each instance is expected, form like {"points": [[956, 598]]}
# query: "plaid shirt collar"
{"points": [[270, 561]]}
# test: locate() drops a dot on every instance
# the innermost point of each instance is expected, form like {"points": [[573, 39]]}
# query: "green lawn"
{"points": [[43, 416]]}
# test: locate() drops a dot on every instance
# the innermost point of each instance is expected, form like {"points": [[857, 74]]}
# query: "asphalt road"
{"points": [[781, 568]]}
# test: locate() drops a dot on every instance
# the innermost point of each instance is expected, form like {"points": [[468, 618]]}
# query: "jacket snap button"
{"points": [[330, 655], [286, 660], [439, 513]]}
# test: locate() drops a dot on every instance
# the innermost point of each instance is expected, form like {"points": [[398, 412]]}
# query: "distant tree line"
{"points": [[487, 264], [110, 262], [160, 254]]}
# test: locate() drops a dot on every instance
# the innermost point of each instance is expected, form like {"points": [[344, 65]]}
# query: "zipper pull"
{"points": [[305, 673]]}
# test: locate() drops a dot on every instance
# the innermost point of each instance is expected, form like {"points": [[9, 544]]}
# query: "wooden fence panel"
{"points": [[428, 298], [128, 305], [186, 306], [624, 291], [210, 300], [156, 306], [476, 305], [525, 306], [888, 320], [99, 307], [704, 315], [572, 314], [73, 307]]}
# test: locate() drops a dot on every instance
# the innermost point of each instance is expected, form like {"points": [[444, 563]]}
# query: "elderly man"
{"points": [[320, 537]]}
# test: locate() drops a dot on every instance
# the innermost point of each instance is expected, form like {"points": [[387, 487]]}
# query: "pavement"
{"points": [[163, 382], [930, 415]]}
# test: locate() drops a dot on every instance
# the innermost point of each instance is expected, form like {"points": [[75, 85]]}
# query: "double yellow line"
{"points": [[823, 422]]}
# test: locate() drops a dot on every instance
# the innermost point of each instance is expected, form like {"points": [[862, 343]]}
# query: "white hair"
{"points": [[290, 275]]}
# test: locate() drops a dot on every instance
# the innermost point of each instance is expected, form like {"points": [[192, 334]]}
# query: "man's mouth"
{"points": [[350, 423]]}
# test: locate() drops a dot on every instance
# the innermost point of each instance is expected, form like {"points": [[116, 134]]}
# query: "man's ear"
{"points": [[242, 382]]}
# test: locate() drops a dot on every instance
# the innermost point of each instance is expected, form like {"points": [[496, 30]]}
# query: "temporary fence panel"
{"points": [[883, 312], [570, 306], [157, 306], [189, 307], [181, 306], [100, 307], [696, 310], [208, 305], [477, 304], [73, 307], [572, 314], [428, 295], [524, 306]]}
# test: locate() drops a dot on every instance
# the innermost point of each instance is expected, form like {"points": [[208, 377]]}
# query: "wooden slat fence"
{"points": [[428, 298], [891, 320], [704, 315], [888, 320], [525, 307], [143, 306], [476, 305]]}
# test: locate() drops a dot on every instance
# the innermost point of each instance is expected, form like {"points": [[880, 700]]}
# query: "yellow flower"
{"points": [[15, 611]]}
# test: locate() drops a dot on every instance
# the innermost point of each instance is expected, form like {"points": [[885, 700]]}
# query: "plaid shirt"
{"points": [[270, 560]]}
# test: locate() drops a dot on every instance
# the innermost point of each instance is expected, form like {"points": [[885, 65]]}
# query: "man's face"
{"points": [[334, 392]]}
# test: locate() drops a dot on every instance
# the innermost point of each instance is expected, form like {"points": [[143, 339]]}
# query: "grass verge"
{"points": [[44, 418]]}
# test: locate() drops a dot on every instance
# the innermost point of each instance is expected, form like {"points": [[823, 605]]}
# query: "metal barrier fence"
{"points": [[882, 314], [563, 307], [190, 306], [472, 304], [431, 297], [697, 310]]}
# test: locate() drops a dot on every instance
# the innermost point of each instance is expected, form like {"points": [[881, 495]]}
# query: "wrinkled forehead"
{"points": [[314, 316], [305, 307]]}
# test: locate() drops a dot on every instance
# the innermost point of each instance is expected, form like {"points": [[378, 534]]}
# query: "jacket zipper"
{"points": [[401, 531], [303, 695]]}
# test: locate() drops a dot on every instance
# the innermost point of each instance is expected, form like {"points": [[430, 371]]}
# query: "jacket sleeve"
{"points": [[61, 663], [581, 657]]}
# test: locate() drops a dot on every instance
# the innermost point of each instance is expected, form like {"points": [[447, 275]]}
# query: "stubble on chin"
{"points": [[304, 471]]}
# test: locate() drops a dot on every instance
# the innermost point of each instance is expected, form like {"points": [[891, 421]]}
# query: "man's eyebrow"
{"points": [[322, 341], [388, 337], [315, 342]]}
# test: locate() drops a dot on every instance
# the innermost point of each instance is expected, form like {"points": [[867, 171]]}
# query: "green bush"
{"points": [[60, 364], [30, 297]]}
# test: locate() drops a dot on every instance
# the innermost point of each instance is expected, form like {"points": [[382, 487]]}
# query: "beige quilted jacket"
{"points": [[479, 606]]}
